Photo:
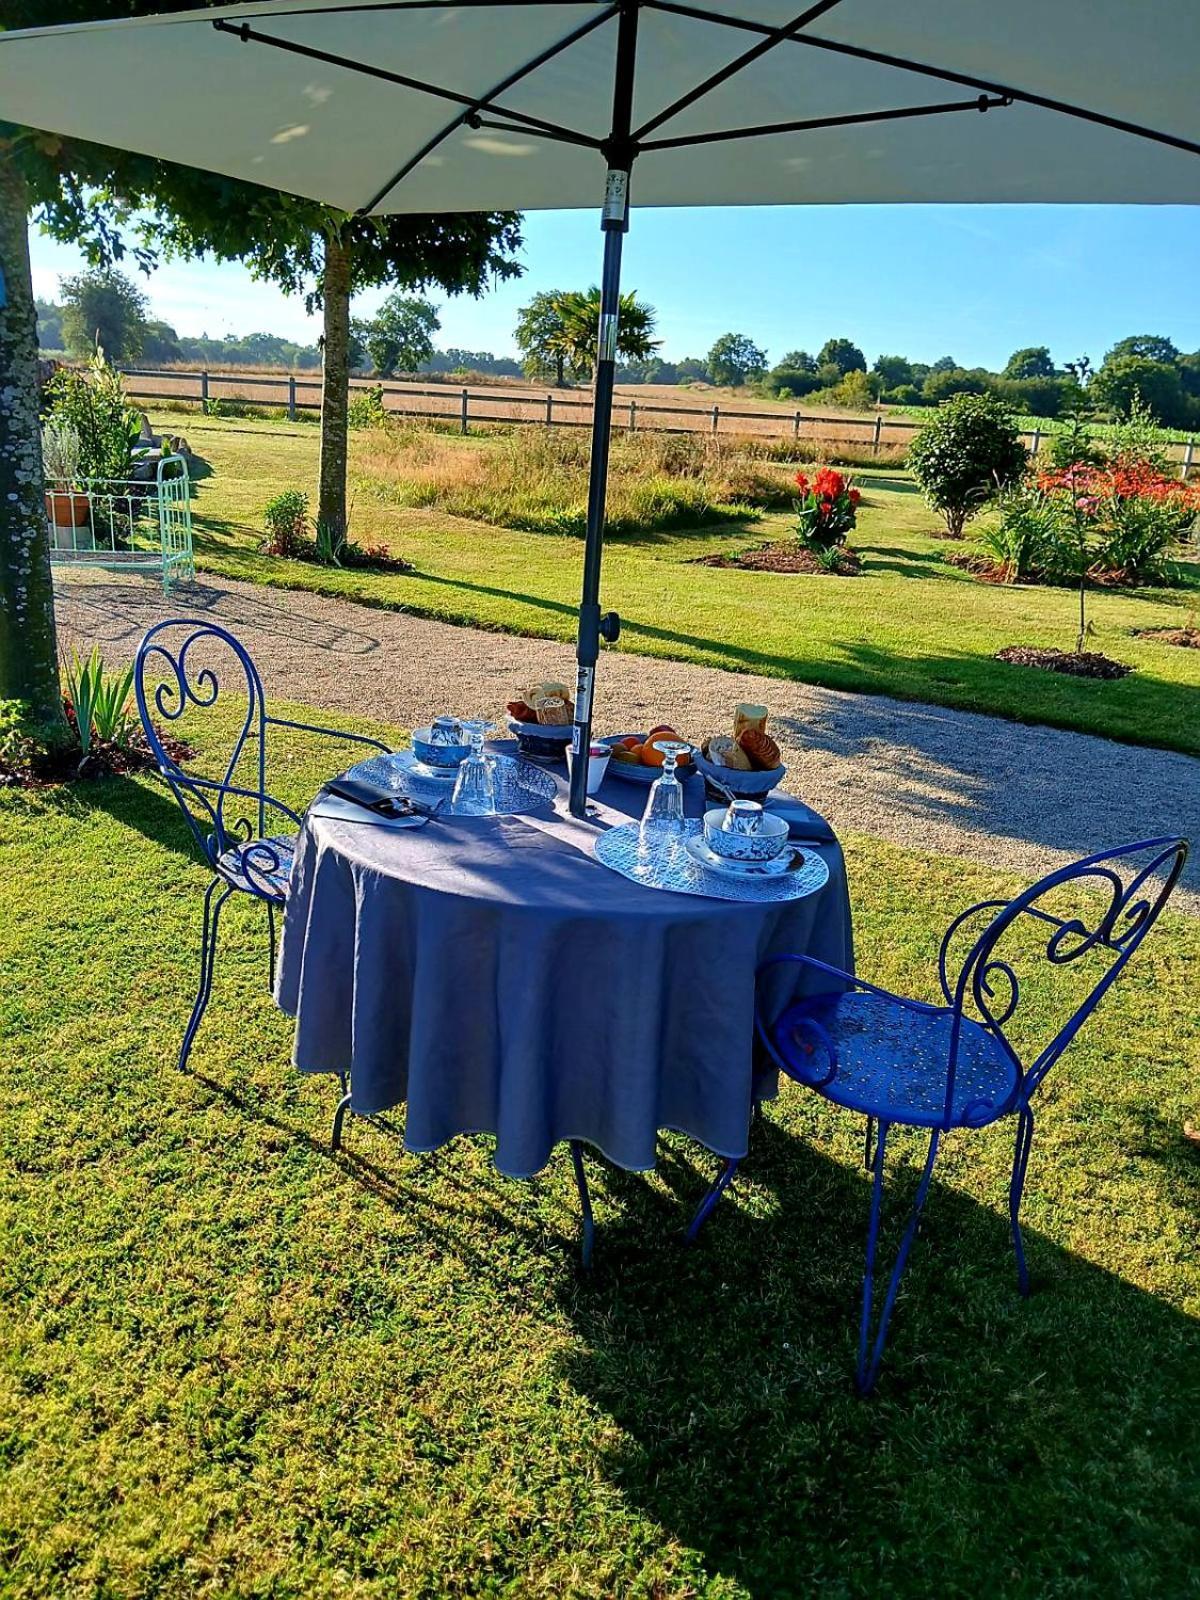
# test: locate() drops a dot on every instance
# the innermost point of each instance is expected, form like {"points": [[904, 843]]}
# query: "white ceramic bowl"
{"points": [[763, 845]]}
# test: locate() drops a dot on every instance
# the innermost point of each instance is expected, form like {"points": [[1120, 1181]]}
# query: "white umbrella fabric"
{"points": [[385, 106]]}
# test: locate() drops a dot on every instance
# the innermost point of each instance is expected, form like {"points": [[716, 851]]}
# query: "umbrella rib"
{"points": [[487, 102], [776, 37], [250, 35], [852, 119], [564, 135], [943, 74]]}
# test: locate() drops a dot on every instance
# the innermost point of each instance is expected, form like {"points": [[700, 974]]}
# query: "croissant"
{"points": [[520, 712], [761, 749]]}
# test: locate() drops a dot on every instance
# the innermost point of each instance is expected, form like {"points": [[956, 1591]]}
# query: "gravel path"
{"points": [[946, 781]]}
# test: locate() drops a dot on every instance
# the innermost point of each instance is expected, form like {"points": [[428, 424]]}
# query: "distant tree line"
{"points": [[1147, 366], [556, 334], [105, 306]]}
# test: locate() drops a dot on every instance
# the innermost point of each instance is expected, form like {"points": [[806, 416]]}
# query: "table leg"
{"points": [[585, 1203]]}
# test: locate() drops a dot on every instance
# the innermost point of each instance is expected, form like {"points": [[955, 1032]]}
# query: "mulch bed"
{"points": [[1075, 663], [978, 565], [50, 769], [1189, 637], [787, 557]]}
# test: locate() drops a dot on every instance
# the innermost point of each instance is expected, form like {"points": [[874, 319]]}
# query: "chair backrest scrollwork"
{"points": [[189, 658], [1100, 907]]}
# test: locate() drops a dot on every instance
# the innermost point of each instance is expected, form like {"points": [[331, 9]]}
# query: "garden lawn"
{"points": [[912, 626], [233, 1364]]}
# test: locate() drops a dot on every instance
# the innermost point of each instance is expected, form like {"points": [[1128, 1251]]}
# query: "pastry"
{"points": [[552, 711], [762, 750], [538, 691], [723, 751], [749, 716], [520, 712]]}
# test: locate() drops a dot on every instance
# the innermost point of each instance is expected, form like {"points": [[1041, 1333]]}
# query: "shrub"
{"points": [[826, 510], [967, 451], [366, 408], [1129, 515], [904, 394], [286, 517], [92, 403]]}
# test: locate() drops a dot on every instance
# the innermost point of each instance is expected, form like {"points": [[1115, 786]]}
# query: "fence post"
{"points": [[715, 415], [878, 433], [463, 417], [291, 397], [1189, 451], [633, 416], [549, 409], [204, 387], [796, 426], [1037, 443]]}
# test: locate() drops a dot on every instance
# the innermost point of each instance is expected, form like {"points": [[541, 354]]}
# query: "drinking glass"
{"points": [[661, 831], [475, 786]]}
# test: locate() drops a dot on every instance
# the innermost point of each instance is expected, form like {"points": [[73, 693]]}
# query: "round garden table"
{"points": [[494, 977]]}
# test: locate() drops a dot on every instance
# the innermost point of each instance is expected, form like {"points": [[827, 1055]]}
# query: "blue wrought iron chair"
{"points": [[905, 1063], [229, 815]]}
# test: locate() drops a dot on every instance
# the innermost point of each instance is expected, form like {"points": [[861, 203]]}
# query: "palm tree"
{"points": [[578, 333]]}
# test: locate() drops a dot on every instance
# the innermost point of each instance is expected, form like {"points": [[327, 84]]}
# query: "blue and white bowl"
{"points": [[446, 757], [763, 845], [745, 785]]}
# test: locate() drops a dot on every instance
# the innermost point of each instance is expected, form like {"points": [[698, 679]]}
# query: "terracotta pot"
{"points": [[68, 510]]}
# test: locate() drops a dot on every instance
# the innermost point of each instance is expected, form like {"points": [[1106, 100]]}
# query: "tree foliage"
{"points": [[558, 332], [104, 307], [843, 354], [1032, 362], [735, 358], [400, 336]]}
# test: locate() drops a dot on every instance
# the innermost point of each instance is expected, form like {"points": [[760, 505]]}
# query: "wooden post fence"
{"points": [[466, 413]]}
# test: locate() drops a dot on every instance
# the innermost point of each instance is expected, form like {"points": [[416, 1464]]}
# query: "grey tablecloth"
{"points": [[493, 975]]}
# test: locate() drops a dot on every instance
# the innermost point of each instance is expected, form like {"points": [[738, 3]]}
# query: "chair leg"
{"points": [[270, 946], [1017, 1188], [708, 1205], [870, 1352], [867, 1143], [208, 956], [585, 1204]]}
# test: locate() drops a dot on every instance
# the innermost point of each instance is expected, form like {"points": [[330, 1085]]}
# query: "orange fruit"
{"points": [[655, 758]]}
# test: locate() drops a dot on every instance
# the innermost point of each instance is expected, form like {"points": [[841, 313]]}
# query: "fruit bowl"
{"points": [[744, 785], [635, 772]]}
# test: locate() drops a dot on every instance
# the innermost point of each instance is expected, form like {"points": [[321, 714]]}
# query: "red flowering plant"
{"points": [[1133, 512], [826, 510]]}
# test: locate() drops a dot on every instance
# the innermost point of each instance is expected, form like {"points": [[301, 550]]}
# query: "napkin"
{"points": [[803, 822]]}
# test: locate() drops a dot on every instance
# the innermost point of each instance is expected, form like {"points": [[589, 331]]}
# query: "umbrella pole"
{"points": [[592, 627], [615, 222]]}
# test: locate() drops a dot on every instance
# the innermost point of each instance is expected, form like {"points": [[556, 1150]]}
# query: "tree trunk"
{"points": [[335, 387], [28, 644]]}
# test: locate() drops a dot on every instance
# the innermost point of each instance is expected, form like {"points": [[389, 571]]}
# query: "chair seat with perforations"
{"points": [[262, 867], [875, 1054]]}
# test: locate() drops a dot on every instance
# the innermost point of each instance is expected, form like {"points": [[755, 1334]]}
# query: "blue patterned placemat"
{"points": [[520, 786], [620, 850]]}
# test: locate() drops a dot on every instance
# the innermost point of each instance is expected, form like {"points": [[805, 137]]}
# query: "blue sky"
{"points": [[973, 282]]}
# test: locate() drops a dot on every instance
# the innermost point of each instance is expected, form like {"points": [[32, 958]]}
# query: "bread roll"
{"points": [[749, 716], [552, 711]]}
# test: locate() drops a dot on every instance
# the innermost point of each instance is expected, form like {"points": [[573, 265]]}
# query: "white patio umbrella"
{"points": [[383, 106]]}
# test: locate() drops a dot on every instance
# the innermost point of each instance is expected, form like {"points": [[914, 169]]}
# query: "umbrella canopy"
{"points": [[419, 107], [385, 106]]}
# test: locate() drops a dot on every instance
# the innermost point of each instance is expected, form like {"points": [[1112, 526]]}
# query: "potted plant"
{"points": [[66, 510]]}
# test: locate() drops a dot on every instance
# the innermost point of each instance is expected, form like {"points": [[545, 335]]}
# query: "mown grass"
{"points": [[233, 1364], [911, 626]]}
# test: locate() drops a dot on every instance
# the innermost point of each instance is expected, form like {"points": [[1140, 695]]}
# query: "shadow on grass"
{"points": [[1019, 1447], [145, 807]]}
